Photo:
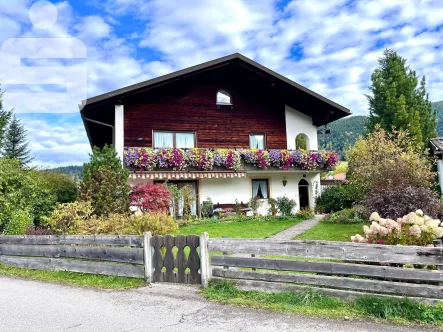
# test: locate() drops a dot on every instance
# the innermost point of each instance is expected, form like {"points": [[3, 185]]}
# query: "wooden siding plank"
{"points": [[124, 255], [58, 264], [346, 251], [109, 240], [376, 286], [273, 287], [330, 268]]}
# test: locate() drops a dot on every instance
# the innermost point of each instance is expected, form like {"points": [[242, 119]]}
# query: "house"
{"points": [[436, 150], [197, 127]]}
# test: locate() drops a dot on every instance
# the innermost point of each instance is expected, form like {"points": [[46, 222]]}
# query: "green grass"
{"points": [[331, 232], [242, 229], [73, 278], [313, 303]]}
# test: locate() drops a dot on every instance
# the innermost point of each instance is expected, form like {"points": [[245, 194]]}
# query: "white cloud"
{"points": [[329, 46]]}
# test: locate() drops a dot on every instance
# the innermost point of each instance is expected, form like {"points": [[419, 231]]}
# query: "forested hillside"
{"points": [[438, 105], [344, 133], [73, 171]]}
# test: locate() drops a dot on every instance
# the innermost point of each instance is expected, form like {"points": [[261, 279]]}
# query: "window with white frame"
{"points": [[168, 139], [257, 141], [260, 188], [223, 97]]}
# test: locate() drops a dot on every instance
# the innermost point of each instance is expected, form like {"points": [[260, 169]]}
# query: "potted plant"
{"points": [[273, 209], [255, 203]]}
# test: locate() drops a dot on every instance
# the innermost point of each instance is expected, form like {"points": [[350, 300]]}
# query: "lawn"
{"points": [[331, 232], [73, 278], [241, 229], [312, 303]]}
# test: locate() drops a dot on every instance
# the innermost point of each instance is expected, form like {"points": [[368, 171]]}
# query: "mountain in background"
{"points": [[73, 171], [345, 132]]}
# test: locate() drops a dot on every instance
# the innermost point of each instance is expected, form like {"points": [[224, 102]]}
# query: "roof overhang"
{"points": [[119, 94]]}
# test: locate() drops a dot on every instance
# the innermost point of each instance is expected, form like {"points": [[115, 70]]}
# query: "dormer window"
{"points": [[223, 97]]}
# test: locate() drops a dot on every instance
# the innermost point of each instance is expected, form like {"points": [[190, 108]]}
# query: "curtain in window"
{"points": [[184, 140], [163, 140], [260, 188], [257, 141]]}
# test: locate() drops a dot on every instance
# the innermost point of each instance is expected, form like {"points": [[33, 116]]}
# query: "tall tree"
{"points": [[399, 100], [104, 182], [16, 145], [5, 116]]}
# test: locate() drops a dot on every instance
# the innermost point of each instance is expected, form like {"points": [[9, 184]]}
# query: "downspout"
{"points": [[102, 124]]}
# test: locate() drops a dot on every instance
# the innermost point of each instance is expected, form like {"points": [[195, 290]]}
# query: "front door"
{"points": [[303, 193], [181, 208]]}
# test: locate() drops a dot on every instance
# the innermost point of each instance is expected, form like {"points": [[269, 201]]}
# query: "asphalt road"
{"points": [[37, 306]]}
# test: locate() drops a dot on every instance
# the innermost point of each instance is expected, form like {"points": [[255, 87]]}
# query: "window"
{"points": [[166, 139], [223, 97], [257, 141], [302, 142], [260, 188]]}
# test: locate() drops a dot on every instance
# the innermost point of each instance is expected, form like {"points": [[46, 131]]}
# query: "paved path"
{"points": [[27, 305], [291, 232]]}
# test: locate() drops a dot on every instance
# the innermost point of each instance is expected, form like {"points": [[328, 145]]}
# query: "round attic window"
{"points": [[223, 97]]}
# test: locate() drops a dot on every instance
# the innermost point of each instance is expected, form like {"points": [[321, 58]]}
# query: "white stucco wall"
{"points": [[225, 191], [119, 135], [299, 123]]}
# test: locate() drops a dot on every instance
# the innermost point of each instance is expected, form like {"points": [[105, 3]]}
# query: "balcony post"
{"points": [[119, 143]]}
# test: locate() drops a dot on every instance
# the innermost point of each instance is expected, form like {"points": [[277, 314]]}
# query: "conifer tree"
{"points": [[15, 145], [399, 101], [5, 116], [104, 182]]}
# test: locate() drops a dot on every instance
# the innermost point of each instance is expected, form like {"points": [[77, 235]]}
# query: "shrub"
{"points": [[156, 222], [20, 220], [189, 198], [336, 198], [207, 208], [62, 185], [151, 197], [237, 207], [23, 189], [255, 203], [273, 209], [345, 216], [285, 205], [382, 159], [67, 218], [414, 228], [32, 230], [305, 214], [104, 182], [398, 201]]}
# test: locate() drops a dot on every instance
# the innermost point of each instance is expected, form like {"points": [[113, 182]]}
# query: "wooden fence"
{"points": [[107, 255], [155, 258], [340, 269]]}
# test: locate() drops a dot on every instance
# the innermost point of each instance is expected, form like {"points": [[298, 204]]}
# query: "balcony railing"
{"points": [[173, 159]]}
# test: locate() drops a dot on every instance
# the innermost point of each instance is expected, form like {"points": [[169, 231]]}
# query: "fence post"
{"points": [[205, 264], [225, 253], [147, 256], [439, 243]]}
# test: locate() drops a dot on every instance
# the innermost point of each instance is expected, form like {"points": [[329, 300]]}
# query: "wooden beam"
{"points": [[346, 251], [376, 286], [373, 271]]}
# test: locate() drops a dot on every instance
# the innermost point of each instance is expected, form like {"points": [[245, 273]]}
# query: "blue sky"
{"points": [[329, 46]]}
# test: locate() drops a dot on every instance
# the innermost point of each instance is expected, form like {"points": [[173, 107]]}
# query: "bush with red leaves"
{"points": [[397, 201], [150, 197], [31, 230]]}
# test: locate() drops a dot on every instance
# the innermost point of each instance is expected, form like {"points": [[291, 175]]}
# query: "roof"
{"points": [[114, 95], [436, 145]]}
